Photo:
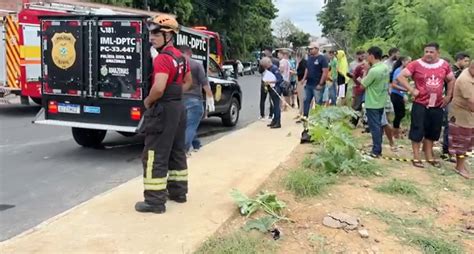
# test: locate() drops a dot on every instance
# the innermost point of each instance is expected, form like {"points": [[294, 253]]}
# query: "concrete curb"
{"points": [[108, 223]]}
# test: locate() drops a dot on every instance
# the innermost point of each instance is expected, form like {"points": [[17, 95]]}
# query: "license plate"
{"points": [[69, 108], [91, 109]]}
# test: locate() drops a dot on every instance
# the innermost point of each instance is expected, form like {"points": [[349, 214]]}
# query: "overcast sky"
{"points": [[302, 13]]}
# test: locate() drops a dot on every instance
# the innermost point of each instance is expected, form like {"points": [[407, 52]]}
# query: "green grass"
{"points": [[418, 232], [430, 244], [239, 242], [403, 188], [305, 182]]}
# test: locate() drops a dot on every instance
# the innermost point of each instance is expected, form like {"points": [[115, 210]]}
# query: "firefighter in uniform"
{"points": [[164, 156]]}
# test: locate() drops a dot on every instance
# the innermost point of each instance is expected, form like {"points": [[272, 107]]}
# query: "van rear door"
{"points": [[93, 71]]}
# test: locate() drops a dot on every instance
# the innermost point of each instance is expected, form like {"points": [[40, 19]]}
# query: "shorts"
{"points": [[425, 123], [461, 140], [326, 93], [342, 90]]}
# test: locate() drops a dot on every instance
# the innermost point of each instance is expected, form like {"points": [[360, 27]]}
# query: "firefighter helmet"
{"points": [[164, 23]]}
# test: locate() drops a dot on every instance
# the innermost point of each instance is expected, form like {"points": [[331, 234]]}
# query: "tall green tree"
{"points": [[407, 24], [299, 39], [448, 22], [245, 25]]}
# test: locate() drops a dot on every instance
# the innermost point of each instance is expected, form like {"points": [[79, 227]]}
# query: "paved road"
{"points": [[43, 172]]}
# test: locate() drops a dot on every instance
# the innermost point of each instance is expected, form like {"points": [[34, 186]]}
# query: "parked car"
{"points": [[227, 95], [229, 66], [248, 68]]}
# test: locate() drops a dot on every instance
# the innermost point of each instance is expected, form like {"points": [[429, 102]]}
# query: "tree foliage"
{"points": [[287, 34], [407, 24], [244, 25]]}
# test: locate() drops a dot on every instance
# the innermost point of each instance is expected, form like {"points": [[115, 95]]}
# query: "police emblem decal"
{"points": [[63, 51]]}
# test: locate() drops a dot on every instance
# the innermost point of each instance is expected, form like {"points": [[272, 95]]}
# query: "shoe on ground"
{"points": [[143, 207], [261, 118], [178, 198], [275, 126], [271, 124], [270, 117]]}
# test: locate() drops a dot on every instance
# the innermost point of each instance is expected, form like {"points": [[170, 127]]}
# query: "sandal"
{"points": [[417, 163], [464, 173], [434, 163], [448, 158]]}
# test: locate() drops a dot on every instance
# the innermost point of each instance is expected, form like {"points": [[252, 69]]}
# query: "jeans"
{"points": [[374, 117], [263, 98], [310, 92], [399, 108], [195, 110], [276, 105], [333, 93]]}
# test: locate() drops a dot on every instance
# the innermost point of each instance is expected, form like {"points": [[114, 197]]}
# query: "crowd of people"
{"points": [[441, 95]]}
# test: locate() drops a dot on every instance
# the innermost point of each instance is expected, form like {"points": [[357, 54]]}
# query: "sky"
{"points": [[302, 13]]}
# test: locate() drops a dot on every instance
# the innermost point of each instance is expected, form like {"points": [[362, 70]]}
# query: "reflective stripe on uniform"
{"points": [[178, 178], [178, 172], [149, 164], [155, 181], [156, 187], [149, 182], [178, 175]]}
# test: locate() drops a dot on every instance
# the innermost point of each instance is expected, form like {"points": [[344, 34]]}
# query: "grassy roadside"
{"points": [[406, 210]]}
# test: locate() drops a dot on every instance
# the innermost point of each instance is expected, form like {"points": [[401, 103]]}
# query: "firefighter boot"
{"points": [[178, 198], [143, 207]]}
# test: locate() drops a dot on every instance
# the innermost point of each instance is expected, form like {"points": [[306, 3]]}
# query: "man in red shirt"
{"points": [[164, 155], [429, 73], [358, 90]]}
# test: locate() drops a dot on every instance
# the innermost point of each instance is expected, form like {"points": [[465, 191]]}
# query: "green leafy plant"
{"points": [[266, 201], [262, 224], [330, 128]]}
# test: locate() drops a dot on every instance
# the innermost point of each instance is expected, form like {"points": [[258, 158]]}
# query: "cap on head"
{"points": [[164, 23], [313, 45]]}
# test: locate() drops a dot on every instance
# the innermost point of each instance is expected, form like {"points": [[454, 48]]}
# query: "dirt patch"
{"points": [[450, 210]]}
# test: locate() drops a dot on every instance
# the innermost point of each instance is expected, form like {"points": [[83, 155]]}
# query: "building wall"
{"points": [[10, 5]]}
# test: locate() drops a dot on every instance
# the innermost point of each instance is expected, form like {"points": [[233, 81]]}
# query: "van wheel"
{"points": [[36, 100], [231, 117], [88, 137]]}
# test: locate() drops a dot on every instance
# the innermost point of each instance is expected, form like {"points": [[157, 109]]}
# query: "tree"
{"points": [[448, 22], [244, 25], [332, 17], [284, 28], [299, 39], [407, 24]]}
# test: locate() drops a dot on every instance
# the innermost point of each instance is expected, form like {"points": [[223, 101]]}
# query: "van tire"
{"points": [[231, 117], [88, 137]]}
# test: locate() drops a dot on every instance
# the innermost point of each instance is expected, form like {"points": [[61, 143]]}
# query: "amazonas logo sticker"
{"points": [[63, 52]]}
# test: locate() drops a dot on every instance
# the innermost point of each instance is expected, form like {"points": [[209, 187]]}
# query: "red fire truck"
{"points": [[216, 49], [24, 53]]}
